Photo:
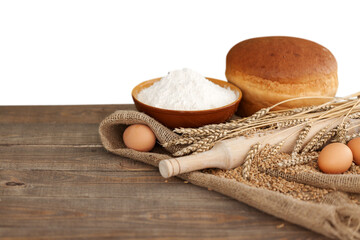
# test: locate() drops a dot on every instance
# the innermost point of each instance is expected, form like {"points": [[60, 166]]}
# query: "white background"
{"points": [[95, 52]]}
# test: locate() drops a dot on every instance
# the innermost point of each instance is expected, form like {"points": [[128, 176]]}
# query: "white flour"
{"points": [[186, 90]]}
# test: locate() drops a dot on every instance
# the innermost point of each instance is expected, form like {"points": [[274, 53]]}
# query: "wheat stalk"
{"points": [[314, 140], [186, 150], [302, 135], [182, 141], [352, 136], [274, 150], [325, 138], [198, 131], [298, 159], [201, 145], [264, 120], [291, 122], [208, 142], [262, 112], [354, 115], [248, 159]]}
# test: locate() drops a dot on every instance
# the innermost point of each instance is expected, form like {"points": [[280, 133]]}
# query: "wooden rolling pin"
{"points": [[231, 153]]}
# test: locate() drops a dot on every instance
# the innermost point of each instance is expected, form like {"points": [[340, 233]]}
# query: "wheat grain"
{"points": [[261, 175]]}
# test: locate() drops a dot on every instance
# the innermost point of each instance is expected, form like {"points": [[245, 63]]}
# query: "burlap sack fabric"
{"points": [[335, 217]]}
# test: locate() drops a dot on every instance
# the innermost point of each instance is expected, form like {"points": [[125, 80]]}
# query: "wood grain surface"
{"points": [[58, 182]]}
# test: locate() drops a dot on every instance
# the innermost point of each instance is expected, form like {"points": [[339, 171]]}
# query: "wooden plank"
{"points": [[48, 232], [121, 186], [16, 184], [49, 134], [102, 212], [53, 157], [214, 218], [29, 178], [53, 124], [121, 190], [59, 114]]}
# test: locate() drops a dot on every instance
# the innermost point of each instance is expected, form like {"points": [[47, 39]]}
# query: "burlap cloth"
{"points": [[336, 217]]}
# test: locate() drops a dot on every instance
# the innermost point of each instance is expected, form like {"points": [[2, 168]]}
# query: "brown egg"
{"points": [[335, 158], [354, 145], [139, 137]]}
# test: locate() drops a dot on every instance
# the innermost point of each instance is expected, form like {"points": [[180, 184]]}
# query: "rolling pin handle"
{"points": [[218, 157], [169, 168]]}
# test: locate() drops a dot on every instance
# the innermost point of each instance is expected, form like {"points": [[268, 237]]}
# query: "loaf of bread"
{"points": [[271, 69]]}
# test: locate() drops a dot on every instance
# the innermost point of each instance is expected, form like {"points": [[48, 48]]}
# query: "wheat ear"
{"points": [[248, 159], [302, 135], [299, 159]]}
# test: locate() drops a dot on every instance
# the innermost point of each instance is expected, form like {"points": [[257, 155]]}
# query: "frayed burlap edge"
{"points": [[333, 218], [345, 182]]}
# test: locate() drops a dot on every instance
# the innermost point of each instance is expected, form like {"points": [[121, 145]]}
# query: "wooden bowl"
{"points": [[175, 118]]}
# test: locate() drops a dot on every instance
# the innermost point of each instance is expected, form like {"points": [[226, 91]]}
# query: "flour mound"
{"points": [[186, 90]]}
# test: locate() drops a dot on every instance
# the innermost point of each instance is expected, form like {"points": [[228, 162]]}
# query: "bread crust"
{"points": [[271, 69]]}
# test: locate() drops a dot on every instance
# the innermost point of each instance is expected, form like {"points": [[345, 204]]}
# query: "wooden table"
{"points": [[58, 182]]}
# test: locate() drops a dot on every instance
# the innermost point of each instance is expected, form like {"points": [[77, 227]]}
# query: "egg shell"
{"points": [[139, 137], [354, 145], [335, 158]]}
